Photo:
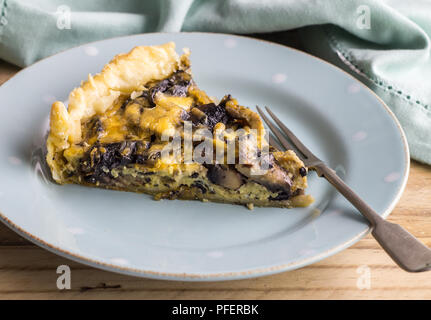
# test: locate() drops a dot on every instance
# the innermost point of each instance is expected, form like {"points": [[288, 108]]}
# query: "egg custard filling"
{"points": [[143, 125]]}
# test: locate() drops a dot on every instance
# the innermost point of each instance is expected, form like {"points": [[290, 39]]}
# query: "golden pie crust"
{"points": [[111, 136]]}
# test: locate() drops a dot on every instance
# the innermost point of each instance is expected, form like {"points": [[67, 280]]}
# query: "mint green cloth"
{"points": [[384, 43]]}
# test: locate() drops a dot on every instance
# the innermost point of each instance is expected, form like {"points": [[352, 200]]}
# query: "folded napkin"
{"points": [[384, 43]]}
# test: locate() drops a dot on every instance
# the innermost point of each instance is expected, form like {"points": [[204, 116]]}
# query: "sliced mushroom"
{"points": [[224, 176], [275, 178], [261, 167], [234, 110]]}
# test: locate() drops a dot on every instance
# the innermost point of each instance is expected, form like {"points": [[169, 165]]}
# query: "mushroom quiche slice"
{"points": [[120, 128]]}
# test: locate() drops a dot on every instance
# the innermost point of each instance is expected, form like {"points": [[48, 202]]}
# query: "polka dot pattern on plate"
{"points": [[91, 51], [14, 160], [392, 177], [279, 78], [49, 98], [230, 43], [120, 261], [359, 136], [76, 230], [215, 254], [308, 252], [334, 212], [354, 88]]}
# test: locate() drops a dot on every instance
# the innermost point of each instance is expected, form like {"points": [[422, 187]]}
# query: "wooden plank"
{"points": [[29, 272], [7, 71]]}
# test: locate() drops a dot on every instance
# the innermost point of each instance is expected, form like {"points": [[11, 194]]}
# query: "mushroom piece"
{"points": [[261, 167], [197, 116], [209, 115], [224, 176], [275, 178]]}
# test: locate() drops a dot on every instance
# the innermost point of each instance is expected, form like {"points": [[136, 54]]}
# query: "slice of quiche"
{"points": [[143, 125]]}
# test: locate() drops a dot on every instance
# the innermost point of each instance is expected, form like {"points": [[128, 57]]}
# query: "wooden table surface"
{"points": [[29, 272]]}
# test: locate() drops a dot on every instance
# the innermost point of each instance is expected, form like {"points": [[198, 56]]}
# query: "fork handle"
{"points": [[407, 251]]}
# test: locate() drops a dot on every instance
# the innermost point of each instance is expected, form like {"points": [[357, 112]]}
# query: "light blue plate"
{"points": [[341, 120]]}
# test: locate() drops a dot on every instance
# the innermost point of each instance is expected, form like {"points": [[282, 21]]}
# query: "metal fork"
{"points": [[407, 251]]}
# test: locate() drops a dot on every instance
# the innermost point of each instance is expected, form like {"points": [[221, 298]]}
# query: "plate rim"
{"points": [[222, 276]]}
